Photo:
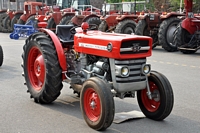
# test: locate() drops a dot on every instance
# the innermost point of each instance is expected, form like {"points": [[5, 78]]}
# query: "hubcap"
{"points": [[151, 104], [36, 68], [92, 104], [128, 30], [170, 33]]}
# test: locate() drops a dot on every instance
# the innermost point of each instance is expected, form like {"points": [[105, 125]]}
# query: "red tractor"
{"points": [[159, 26], [1, 56], [3, 8], [15, 10], [98, 66], [187, 34]]}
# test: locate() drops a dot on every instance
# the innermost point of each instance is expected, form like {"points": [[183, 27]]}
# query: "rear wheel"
{"points": [[181, 38], [34, 21], [15, 20], [1, 56], [20, 21], [51, 24], [93, 20], [2, 17], [42, 71], [65, 20], [126, 27], [165, 34], [7, 24], [103, 26], [97, 104], [161, 104], [142, 29]]}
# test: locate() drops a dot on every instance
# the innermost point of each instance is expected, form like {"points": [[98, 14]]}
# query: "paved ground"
{"points": [[19, 113]]}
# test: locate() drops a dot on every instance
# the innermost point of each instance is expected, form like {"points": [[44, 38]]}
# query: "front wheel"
{"points": [[161, 104], [97, 104], [42, 71], [1, 56]]}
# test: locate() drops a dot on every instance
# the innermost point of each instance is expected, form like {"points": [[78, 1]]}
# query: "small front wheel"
{"points": [[97, 104], [161, 104]]}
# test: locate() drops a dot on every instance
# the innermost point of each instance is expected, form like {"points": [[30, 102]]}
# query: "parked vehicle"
{"points": [[187, 34], [3, 8], [98, 66], [1, 56]]}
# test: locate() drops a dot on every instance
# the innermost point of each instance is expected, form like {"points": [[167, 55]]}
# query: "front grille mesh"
{"points": [[135, 70]]}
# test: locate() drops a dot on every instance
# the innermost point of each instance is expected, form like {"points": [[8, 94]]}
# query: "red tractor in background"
{"points": [[3, 8], [159, 26], [15, 10], [1, 56], [187, 34], [98, 66]]}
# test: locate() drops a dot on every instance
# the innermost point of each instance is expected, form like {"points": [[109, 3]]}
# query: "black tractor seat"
{"points": [[64, 34]]}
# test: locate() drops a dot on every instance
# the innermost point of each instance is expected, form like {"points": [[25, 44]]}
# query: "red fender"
{"points": [[190, 25], [59, 48]]}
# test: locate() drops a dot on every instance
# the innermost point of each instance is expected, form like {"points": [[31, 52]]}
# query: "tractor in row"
{"points": [[187, 34], [98, 66], [1, 55]]}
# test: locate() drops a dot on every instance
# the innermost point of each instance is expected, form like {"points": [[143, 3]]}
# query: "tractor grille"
{"points": [[135, 70], [134, 47]]}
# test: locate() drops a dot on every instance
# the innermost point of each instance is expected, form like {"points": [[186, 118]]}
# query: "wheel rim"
{"points": [[36, 68], [92, 105], [170, 32], [128, 30], [153, 104]]}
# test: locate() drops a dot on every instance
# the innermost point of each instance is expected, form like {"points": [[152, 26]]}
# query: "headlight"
{"points": [[146, 68], [122, 71]]}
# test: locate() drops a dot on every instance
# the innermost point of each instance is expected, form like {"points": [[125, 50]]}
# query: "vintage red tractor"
{"points": [[187, 34], [1, 56], [98, 66], [3, 8]]}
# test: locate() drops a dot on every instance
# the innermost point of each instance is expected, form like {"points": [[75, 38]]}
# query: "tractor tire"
{"points": [[66, 20], [1, 56], [20, 21], [165, 33], [97, 104], [94, 20], [51, 24], [161, 104], [14, 20], [126, 26], [182, 37], [142, 29], [32, 18], [103, 26], [42, 71], [7, 25], [2, 17]]}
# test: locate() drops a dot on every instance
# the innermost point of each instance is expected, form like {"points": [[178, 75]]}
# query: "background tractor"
{"points": [[15, 10], [3, 8], [187, 34], [1, 56], [160, 26], [98, 66]]}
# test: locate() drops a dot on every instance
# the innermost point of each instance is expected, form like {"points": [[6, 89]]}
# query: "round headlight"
{"points": [[146, 69], [125, 71]]}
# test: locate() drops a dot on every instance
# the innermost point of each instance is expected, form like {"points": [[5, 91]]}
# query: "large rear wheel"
{"points": [[126, 26], [165, 33], [51, 24], [1, 56], [103, 26], [97, 104], [66, 20], [142, 29], [42, 72], [15, 20], [2, 17], [161, 104], [94, 20], [181, 38], [7, 24]]}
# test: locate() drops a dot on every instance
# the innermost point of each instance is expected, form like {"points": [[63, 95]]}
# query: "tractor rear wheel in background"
{"points": [[97, 104], [181, 38], [1, 56], [42, 71], [103, 26], [7, 24], [32, 18], [66, 20], [51, 24], [2, 17], [161, 104], [165, 33], [126, 26], [14, 20], [94, 20], [142, 29], [20, 21]]}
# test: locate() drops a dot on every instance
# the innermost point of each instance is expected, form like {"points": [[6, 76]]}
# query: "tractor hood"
{"points": [[112, 45]]}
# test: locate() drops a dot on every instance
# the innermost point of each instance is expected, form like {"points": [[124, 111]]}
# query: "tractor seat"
{"points": [[64, 34]]}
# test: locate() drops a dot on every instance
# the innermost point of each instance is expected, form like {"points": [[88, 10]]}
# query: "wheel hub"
{"points": [[170, 32], [39, 68]]}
